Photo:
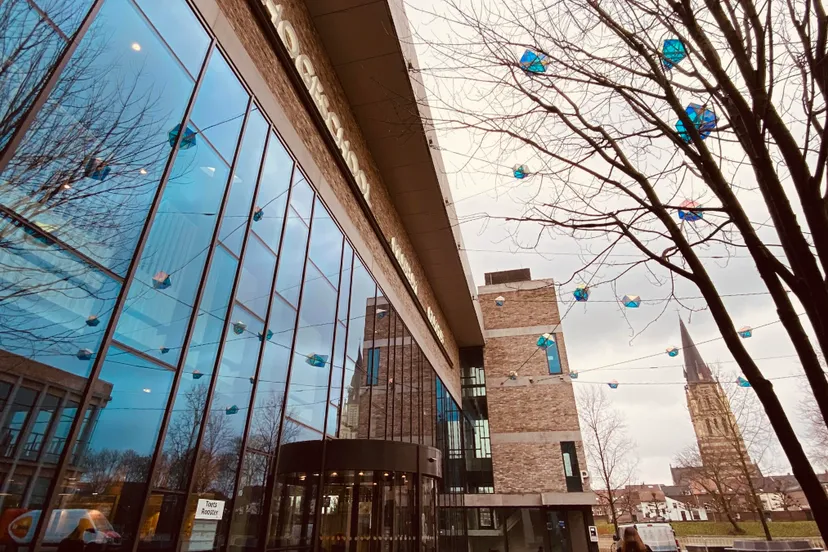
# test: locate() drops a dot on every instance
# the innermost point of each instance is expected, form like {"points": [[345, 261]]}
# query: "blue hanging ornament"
{"points": [[581, 293], [164, 350], [161, 280], [673, 51], [520, 171], [267, 336], [239, 327], [232, 410], [500, 300], [513, 375], [197, 374], [258, 214], [573, 374], [534, 62], [742, 382], [92, 321], [84, 354], [317, 361], [688, 212], [672, 351], [546, 340], [745, 332], [703, 119], [96, 169], [613, 384], [632, 301], [187, 142], [252, 380]]}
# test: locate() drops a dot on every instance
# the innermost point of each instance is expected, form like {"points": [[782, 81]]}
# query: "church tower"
{"points": [[717, 432]]}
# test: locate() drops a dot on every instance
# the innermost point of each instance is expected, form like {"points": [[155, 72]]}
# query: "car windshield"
{"points": [[101, 523]]}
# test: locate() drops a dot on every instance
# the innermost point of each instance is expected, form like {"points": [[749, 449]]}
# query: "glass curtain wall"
{"points": [[176, 300]]}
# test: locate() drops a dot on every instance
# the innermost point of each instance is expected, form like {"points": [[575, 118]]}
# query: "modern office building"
{"points": [[234, 314]]}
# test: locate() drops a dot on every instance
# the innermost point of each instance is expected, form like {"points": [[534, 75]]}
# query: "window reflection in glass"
{"points": [[354, 419], [383, 314], [301, 196], [257, 276], [179, 27], [325, 244], [92, 160], [272, 194], [292, 259]]}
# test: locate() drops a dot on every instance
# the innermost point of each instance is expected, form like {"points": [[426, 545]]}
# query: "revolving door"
{"points": [[369, 496]]}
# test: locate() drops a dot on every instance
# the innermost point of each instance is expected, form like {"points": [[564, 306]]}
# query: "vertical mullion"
{"points": [[347, 335], [86, 397], [367, 361], [220, 350], [391, 379], [51, 81]]}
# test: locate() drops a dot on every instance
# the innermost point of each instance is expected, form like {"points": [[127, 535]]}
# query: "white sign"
{"points": [[593, 533], [287, 34], [405, 265], [432, 318], [209, 509]]}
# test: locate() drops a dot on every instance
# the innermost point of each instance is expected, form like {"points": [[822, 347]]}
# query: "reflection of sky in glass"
{"points": [[363, 292], [272, 196], [325, 244], [257, 276], [289, 277], [302, 196], [178, 25]]}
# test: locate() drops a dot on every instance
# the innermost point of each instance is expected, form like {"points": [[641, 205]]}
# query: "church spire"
{"points": [[695, 369]]}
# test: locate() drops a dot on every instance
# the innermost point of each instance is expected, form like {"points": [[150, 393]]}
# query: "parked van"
{"points": [[96, 528], [660, 537]]}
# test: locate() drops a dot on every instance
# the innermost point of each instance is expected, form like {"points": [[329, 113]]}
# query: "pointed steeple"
{"points": [[695, 369]]}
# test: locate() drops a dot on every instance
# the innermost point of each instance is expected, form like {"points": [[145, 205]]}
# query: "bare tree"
{"points": [[637, 146], [610, 452], [817, 430]]}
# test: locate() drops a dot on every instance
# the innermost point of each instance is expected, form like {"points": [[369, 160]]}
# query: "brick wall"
{"points": [[246, 29]]}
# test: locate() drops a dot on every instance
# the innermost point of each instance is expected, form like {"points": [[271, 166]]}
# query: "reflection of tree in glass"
{"points": [[105, 467]]}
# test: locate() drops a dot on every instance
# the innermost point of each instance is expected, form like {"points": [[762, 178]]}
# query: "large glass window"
{"points": [[553, 359]]}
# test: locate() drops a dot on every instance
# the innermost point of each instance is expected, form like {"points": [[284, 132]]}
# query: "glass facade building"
{"points": [[212, 337]]}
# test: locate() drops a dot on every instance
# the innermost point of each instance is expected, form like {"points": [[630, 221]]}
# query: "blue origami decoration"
{"points": [[499, 300], [688, 211], [258, 214], [92, 321], [632, 301], [672, 351], [673, 51], [197, 374], [239, 327], [573, 374], [164, 350], [534, 62], [317, 361], [513, 375], [546, 340], [266, 336], [742, 382], [96, 169], [232, 410], [703, 119], [252, 380], [581, 293], [520, 171], [745, 332], [161, 280], [84, 354], [613, 384], [187, 142]]}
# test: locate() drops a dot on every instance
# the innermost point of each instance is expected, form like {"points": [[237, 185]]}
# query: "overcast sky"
{"points": [[600, 332]]}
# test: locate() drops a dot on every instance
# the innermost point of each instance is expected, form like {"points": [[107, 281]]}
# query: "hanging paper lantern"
{"points": [[36, 235], [613, 384], [745, 332], [534, 62], [317, 361], [673, 51], [232, 410], [258, 213], [267, 336], [573, 374], [92, 321], [164, 350], [197, 374], [84, 354], [581, 293], [499, 300], [381, 313], [520, 171], [187, 142], [632, 301], [252, 380], [546, 340], [742, 382], [96, 169], [239, 327], [703, 119], [161, 280], [513, 375], [687, 212], [672, 351]]}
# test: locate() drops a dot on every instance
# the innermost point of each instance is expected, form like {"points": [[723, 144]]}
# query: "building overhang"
{"points": [[527, 500], [370, 47]]}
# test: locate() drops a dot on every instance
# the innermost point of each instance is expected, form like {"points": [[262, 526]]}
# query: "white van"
{"points": [[63, 521], [660, 537]]}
